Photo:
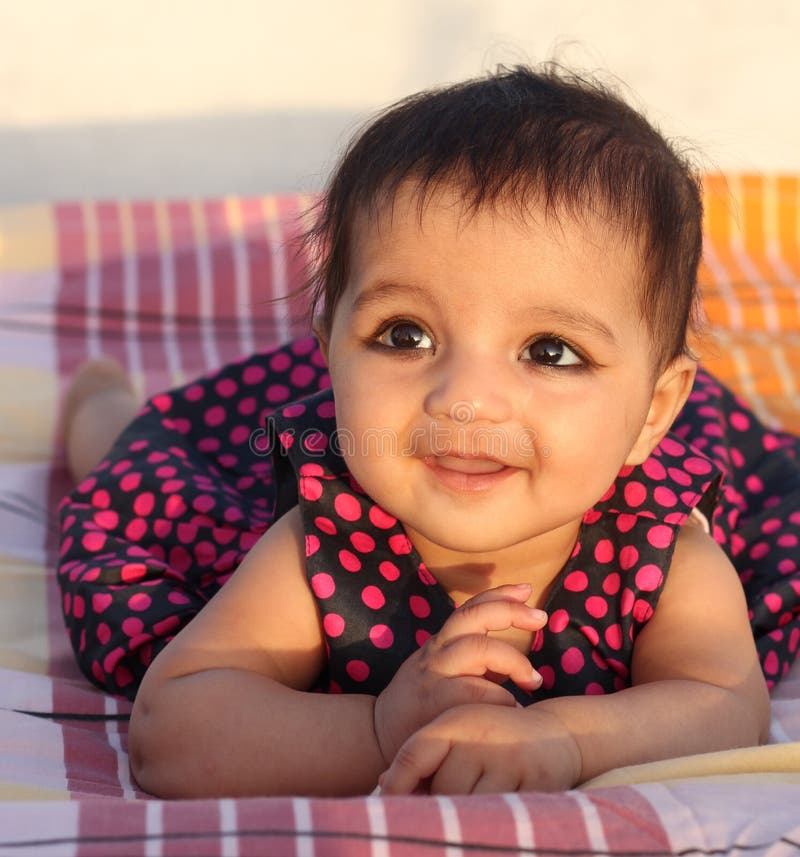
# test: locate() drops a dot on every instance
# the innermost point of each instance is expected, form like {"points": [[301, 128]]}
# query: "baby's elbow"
{"points": [[149, 758]]}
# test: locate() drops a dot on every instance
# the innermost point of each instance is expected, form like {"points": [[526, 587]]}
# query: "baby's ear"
{"points": [[671, 391]]}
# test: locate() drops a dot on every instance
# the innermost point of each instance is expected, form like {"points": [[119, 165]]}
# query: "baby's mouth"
{"points": [[465, 464]]}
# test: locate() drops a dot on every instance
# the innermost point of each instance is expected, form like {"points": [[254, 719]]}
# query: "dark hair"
{"points": [[524, 135]]}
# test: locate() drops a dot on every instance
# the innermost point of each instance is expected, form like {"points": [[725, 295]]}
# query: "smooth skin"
{"points": [[564, 358]]}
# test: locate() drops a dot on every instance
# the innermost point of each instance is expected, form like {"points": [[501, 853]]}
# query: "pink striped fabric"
{"points": [[173, 289]]}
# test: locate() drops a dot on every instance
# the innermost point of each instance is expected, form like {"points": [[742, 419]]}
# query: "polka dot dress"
{"points": [[164, 520]]}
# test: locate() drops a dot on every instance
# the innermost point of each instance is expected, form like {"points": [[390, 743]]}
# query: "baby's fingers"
{"points": [[494, 615], [477, 655], [417, 760]]}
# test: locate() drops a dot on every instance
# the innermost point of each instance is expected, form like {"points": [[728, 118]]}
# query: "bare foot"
{"points": [[100, 402]]}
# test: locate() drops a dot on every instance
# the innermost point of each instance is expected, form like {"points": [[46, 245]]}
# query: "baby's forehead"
{"points": [[408, 209]]}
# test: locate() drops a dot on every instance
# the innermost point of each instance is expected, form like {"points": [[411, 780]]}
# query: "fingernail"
{"points": [[538, 615]]}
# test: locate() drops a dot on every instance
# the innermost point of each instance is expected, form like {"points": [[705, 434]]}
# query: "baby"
{"points": [[480, 541]]}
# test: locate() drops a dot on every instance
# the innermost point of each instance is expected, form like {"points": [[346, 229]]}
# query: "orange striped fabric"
{"points": [[750, 281]]}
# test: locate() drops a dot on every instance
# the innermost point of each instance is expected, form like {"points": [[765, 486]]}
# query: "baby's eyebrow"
{"points": [[575, 318], [386, 290]]}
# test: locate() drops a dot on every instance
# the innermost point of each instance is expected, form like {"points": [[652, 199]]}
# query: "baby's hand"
{"points": [[483, 748], [459, 665]]}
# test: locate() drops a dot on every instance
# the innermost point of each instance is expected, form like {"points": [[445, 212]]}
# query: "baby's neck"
{"points": [[537, 561]]}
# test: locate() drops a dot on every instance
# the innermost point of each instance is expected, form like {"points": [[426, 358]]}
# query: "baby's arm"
{"points": [[697, 687], [224, 710]]}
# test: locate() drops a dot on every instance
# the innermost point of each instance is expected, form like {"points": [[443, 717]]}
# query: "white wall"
{"points": [[172, 97]]}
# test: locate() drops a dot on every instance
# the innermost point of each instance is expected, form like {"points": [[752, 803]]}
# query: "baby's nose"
{"points": [[467, 390]]}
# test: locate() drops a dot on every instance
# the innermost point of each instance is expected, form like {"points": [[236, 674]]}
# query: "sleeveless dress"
{"points": [[188, 488]]}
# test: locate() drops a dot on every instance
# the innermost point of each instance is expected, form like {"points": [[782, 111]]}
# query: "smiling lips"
{"points": [[468, 473]]}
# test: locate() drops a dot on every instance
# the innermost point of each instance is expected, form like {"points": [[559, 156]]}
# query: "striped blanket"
{"points": [[173, 290]]}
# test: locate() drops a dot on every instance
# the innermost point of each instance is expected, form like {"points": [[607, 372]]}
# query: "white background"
{"points": [[133, 98]]}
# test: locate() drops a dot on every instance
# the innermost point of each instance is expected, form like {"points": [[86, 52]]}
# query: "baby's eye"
{"points": [[551, 351], [406, 335]]}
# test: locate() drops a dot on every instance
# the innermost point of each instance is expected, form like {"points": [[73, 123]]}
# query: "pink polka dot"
{"points": [[132, 626], [421, 636], [559, 620], [628, 557], [101, 601], [101, 499], [372, 597], [362, 542], [382, 520], [333, 625], [347, 507], [654, 468], [400, 544], [671, 446], [214, 416], [311, 468], [175, 505], [256, 374], [576, 581], [759, 550], [312, 545], [771, 664], [277, 393], [130, 481], [326, 410], [425, 576], [698, 466], [139, 602], [103, 633], [664, 496], [302, 375], [389, 570], [132, 572], [93, 542], [739, 421], [642, 612], [626, 601], [774, 602], [381, 636], [325, 525], [679, 476], [625, 522], [754, 484], [419, 606], [660, 536], [323, 585], [649, 578], [107, 519], [572, 661], [613, 635], [596, 606], [635, 493], [604, 550], [314, 441], [357, 670], [787, 540], [310, 488], [226, 387], [591, 634], [296, 409], [594, 689], [280, 362], [612, 583], [349, 561], [771, 525], [548, 676], [194, 393]]}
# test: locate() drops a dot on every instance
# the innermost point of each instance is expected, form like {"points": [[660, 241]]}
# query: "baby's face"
{"points": [[491, 375]]}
